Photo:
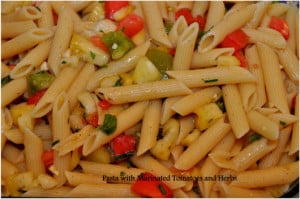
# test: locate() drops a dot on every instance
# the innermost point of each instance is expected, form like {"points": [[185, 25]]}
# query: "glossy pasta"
{"points": [[149, 99]]}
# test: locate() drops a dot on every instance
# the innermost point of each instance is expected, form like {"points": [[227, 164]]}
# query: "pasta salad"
{"points": [[149, 98]]}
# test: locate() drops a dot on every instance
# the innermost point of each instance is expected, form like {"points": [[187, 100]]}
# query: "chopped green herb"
{"points": [[209, 80], [122, 173], [5, 80], [161, 59], [201, 34], [254, 137], [124, 156], [109, 124], [221, 104], [168, 25], [123, 29], [118, 43], [39, 81], [119, 82], [55, 143], [81, 105], [38, 8], [282, 123], [63, 62], [162, 189], [92, 54], [20, 190], [196, 189]]}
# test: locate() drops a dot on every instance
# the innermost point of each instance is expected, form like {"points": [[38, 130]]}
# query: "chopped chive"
{"points": [[109, 124], [63, 62], [38, 8], [254, 137], [122, 173], [55, 143], [5, 80], [162, 189], [282, 123], [118, 82], [92, 54], [209, 80]]}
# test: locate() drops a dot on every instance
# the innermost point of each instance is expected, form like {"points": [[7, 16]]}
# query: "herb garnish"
{"points": [[109, 124], [209, 80], [92, 54]]}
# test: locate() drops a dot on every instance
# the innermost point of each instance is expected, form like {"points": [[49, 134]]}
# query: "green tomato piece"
{"points": [[39, 81], [161, 59], [118, 43]]}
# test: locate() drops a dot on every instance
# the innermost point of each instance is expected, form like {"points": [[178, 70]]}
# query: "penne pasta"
{"points": [[150, 127], [270, 68], [285, 174], [24, 42], [235, 110], [145, 91], [194, 153], [209, 58], [13, 29], [156, 30], [229, 24], [213, 76]]}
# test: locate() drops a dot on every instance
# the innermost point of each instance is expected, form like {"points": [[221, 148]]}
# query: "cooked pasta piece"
{"points": [[284, 174], [200, 147], [213, 76], [150, 127], [145, 91], [217, 33], [156, 30], [13, 29], [61, 40], [24, 42], [273, 78], [235, 110]]}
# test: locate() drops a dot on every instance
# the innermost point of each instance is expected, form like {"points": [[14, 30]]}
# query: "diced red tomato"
{"points": [[186, 12], [240, 55], [236, 39], [80, 149], [280, 25], [113, 6], [123, 145], [131, 24], [147, 185], [104, 104], [92, 119], [55, 17], [172, 51], [201, 21], [97, 41], [11, 67], [34, 99], [48, 157]]}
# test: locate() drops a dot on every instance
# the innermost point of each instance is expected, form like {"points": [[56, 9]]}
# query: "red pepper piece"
{"points": [[131, 24], [34, 99], [104, 104], [186, 12], [280, 25], [113, 6], [48, 157], [236, 39], [92, 119], [240, 55], [97, 41], [148, 185], [123, 146]]}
